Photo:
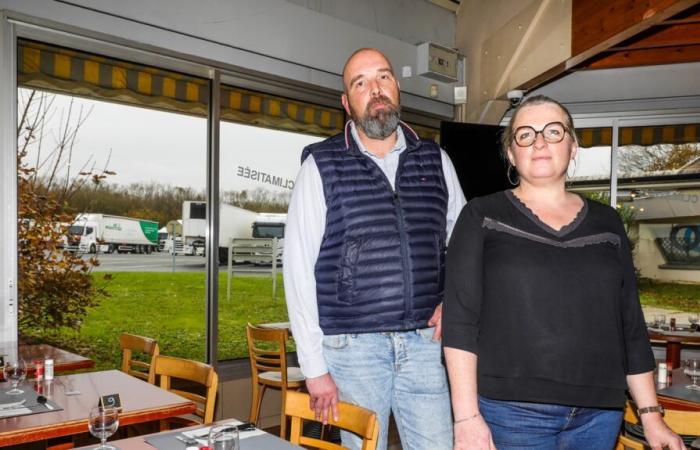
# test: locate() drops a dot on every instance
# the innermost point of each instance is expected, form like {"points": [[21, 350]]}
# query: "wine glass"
{"points": [[103, 422], [692, 369], [15, 373], [224, 438], [693, 319]]}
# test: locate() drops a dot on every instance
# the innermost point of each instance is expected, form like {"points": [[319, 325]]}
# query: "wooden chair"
{"points": [[130, 344], [267, 349], [355, 419], [681, 422], [169, 367]]}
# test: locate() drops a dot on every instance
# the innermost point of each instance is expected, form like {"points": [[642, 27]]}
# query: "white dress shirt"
{"points": [[306, 222]]}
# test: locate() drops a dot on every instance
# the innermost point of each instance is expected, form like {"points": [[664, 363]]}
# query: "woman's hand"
{"points": [[659, 435], [473, 434]]}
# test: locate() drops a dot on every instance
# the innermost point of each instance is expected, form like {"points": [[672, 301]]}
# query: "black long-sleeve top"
{"points": [[553, 316]]}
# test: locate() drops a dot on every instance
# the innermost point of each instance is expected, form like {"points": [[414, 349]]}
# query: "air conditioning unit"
{"points": [[437, 62]]}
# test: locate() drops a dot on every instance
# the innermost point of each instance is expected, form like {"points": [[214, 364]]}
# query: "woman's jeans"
{"points": [[399, 372], [521, 425]]}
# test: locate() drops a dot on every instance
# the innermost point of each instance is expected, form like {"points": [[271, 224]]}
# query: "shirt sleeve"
{"points": [[455, 196], [306, 221], [639, 356], [463, 284]]}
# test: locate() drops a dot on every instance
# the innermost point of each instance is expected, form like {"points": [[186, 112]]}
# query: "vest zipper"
{"points": [[408, 289]]}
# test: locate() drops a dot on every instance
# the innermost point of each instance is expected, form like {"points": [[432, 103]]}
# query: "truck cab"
{"points": [[82, 237]]}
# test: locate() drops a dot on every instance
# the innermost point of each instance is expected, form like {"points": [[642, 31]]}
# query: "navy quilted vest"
{"points": [[380, 266]]}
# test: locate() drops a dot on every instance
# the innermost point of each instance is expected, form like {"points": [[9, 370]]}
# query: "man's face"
{"points": [[371, 95]]}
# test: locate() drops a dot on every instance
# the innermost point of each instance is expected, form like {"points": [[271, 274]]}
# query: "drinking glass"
{"points": [[661, 318], [692, 369], [693, 318], [15, 373], [224, 438], [103, 423]]}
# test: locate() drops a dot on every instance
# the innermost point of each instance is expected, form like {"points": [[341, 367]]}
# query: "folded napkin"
{"points": [[202, 434], [12, 412]]}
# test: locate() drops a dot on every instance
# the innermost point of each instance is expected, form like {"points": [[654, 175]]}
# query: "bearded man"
{"points": [[365, 240]]}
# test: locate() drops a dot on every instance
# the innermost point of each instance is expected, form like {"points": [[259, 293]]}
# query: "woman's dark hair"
{"points": [[509, 132]]}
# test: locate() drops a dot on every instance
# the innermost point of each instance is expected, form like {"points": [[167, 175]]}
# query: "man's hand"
{"points": [[324, 397], [659, 435], [436, 321]]}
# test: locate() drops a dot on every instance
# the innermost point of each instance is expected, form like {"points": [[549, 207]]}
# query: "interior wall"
{"points": [[306, 42], [506, 44]]}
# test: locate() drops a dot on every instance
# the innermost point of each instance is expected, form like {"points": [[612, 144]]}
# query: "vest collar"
{"points": [[412, 139]]}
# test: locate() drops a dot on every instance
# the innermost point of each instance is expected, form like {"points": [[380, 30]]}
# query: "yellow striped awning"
{"points": [[648, 135], [53, 68]]}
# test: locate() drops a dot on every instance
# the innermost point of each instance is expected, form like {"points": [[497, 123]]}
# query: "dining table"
{"points": [[675, 394], [255, 439], [63, 360], [73, 396], [674, 340]]}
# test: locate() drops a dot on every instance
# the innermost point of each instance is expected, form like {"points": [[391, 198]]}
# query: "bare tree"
{"points": [[638, 159], [55, 286]]}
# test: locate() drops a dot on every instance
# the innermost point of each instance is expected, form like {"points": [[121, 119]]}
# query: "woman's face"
{"points": [[542, 161]]}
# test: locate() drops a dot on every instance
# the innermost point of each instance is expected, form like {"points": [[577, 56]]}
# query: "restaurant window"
{"points": [[261, 141], [589, 172], [108, 150], [658, 196]]}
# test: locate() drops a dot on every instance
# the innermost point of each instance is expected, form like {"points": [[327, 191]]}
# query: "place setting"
{"points": [[19, 399], [225, 436]]}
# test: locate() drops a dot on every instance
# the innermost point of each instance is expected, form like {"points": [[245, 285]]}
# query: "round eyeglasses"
{"points": [[552, 133]]}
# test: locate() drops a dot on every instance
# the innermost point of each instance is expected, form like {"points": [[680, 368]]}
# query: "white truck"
{"points": [[234, 222], [90, 233]]}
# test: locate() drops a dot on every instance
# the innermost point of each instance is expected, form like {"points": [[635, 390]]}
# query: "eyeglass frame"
{"points": [[515, 133]]}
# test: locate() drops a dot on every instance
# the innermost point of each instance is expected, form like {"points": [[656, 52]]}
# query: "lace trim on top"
{"points": [[600, 238], [571, 226]]}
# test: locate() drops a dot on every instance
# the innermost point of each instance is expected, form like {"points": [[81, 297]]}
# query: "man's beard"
{"points": [[383, 123]]}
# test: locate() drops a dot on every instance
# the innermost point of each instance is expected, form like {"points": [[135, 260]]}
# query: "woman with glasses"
{"points": [[542, 327]]}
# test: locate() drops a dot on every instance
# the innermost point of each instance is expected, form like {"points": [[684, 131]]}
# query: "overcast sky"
{"points": [[150, 145]]}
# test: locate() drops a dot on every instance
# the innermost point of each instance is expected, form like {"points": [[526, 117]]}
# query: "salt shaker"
{"points": [[48, 369], [662, 375]]}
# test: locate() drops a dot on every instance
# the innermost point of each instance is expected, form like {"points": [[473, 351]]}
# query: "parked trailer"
{"points": [[234, 223], [91, 233]]}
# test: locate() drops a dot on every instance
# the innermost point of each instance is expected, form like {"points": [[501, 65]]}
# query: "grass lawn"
{"points": [[170, 308], [681, 297]]}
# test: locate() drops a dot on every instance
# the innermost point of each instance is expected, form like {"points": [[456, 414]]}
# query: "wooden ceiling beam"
{"points": [[690, 16], [646, 57], [600, 24], [670, 36]]}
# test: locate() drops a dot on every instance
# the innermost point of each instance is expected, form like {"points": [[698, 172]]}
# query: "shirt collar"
{"points": [[399, 146]]}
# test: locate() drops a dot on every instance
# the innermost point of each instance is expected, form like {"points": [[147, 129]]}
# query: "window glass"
{"points": [[258, 169], [659, 198], [99, 181]]}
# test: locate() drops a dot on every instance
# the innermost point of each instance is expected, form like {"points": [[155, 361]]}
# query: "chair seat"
{"points": [[293, 375]]}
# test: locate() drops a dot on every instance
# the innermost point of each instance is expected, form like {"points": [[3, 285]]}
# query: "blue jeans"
{"points": [[398, 372], [541, 426]]}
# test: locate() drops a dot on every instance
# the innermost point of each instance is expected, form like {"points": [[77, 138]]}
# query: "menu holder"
{"points": [[110, 401]]}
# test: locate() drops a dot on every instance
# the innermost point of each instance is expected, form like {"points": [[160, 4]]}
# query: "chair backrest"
{"points": [[267, 350], [626, 443], [355, 419], [130, 344], [681, 422], [169, 367]]}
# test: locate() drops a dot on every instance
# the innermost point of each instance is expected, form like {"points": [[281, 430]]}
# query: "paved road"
{"points": [[163, 262]]}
